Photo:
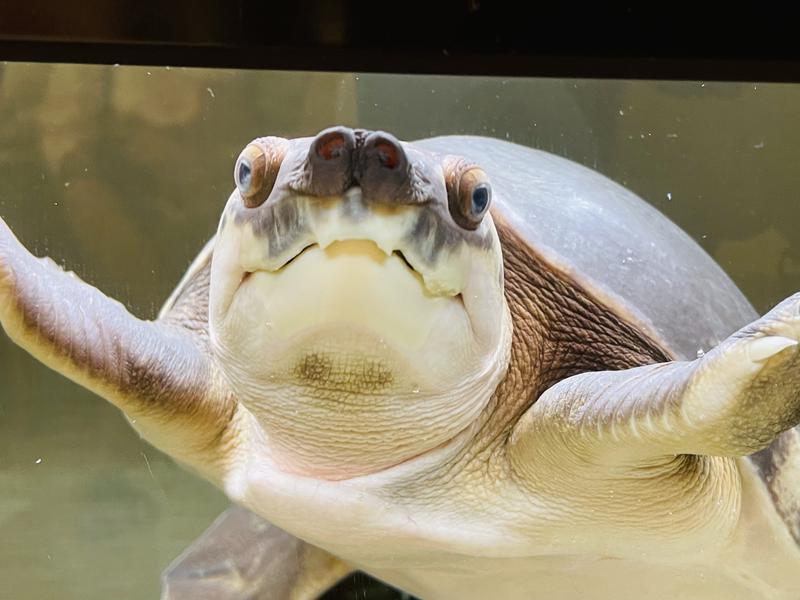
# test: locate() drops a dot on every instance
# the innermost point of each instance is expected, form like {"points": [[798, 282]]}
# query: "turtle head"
{"points": [[357, 304]]}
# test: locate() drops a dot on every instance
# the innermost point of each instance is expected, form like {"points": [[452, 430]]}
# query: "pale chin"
{"points": [[344, 357]]}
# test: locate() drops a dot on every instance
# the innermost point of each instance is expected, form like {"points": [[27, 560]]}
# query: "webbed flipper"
{"points": [[732, 401], [651, 448], [157, 372], [242, 557]]}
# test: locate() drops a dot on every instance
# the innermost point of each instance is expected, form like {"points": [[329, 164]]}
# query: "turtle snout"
{"points": [[340, 158]]}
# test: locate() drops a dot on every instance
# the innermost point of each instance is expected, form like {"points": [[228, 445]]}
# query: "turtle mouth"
{"points": [[316, 245], [408, 233], [352, 288], [398, 253], [298, 255]]}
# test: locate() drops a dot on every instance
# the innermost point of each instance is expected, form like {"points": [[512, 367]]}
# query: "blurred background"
{"points": [[120, 173]]}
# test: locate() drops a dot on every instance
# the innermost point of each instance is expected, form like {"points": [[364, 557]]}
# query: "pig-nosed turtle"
{"points": [[463, 402]]}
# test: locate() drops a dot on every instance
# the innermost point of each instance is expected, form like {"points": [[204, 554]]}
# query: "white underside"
{"points": [[458, 546], [575, 578]]}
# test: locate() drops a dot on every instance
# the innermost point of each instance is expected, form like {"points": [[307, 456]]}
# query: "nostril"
{"points": [[382, 168], [384, 150], [332, 143], [387, 154], [329, 168], [331, 146]]}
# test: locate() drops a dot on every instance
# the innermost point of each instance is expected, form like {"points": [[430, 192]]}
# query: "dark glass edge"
{"points": [[376, 60]]}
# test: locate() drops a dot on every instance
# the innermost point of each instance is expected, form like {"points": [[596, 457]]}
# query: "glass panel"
{"points": [[120, 173]]}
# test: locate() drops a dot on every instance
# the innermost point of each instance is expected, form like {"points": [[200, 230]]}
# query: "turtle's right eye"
{"points": [[244, 174], [256, 170]]}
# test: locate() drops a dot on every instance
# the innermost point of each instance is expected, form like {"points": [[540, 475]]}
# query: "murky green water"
{"points": [[120, 173]]}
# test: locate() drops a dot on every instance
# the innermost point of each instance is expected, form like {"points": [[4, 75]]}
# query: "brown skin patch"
{"points": [[560, 330], [333, 372]]}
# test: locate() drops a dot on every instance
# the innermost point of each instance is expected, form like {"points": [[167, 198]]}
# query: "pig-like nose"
{"points": [[382, 168], [330, 157]]}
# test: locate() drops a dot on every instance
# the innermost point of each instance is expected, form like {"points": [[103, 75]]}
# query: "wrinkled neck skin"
{"points": [[327, 412]]}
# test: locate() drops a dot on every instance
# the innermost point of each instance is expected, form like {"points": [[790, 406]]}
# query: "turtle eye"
{"points": [[256, 170], [481, 195], [244, 174], [472, 198]]}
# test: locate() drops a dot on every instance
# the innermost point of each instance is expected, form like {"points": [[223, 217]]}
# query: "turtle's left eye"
{"points": [[481, 195], [471, 198], [256, 169]]}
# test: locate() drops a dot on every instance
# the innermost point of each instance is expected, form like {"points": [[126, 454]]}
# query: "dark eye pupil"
{"points": [[480, 199], [244, 175]]}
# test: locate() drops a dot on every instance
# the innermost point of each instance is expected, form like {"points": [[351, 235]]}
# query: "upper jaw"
{"points": [[451, 262], [323, 221]]}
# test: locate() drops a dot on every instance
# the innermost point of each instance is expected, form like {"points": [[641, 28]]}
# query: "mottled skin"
{"points": [[372, 362]]}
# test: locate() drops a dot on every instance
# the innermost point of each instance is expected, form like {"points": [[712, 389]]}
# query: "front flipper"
{"points": [[157, 372], [242, 557], [732, 401], [620, 458]]}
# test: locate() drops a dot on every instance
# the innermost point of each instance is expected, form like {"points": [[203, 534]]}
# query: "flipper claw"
{"points": [[765, 348]]}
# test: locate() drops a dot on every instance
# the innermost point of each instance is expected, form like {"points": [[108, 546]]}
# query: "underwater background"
{"points": [[120, 173]]}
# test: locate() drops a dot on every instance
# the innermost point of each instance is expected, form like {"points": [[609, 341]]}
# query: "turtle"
{"points": [[462, 366]]}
